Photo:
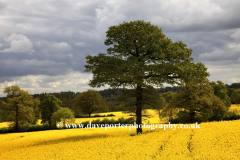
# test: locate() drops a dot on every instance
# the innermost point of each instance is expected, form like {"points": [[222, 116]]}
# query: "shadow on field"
{"points": [[72, 139]]}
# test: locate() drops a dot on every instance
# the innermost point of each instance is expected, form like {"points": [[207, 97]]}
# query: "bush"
{"points": [[174, 120], [6, 130], [121, 120], [105, 121], [97, 121], [27, 128], [112, 121], [85, 123], [232, 115], [110, 115]]}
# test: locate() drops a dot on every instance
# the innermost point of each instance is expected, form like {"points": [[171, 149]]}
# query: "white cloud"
{"points": [[74, 81], [225, 73], [63, 46], [18, 43], [80, 44], [230, 52]]}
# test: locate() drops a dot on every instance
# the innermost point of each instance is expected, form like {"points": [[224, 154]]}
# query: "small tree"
{"points": [[64, 115], [236, 96], [90, 101], [49, 105]]}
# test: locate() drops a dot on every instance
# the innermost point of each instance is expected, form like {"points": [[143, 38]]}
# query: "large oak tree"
{"points": [[90, 101], [140, 55], [20, 107]]}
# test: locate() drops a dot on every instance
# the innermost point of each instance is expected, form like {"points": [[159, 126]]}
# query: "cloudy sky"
{"points": [[43, 43]]}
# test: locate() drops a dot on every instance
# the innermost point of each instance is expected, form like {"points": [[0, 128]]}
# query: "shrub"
{"points": [[110, 115], [232, 115], [85, 123], [174, 120], [105, 121], [97, 121], [6, 130]]}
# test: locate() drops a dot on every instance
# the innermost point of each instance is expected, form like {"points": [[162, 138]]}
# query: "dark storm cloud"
{"points": [[43, 44]]}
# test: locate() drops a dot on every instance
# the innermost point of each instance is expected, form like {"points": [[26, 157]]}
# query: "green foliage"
{"points": [[150, 99], [20, 107], [236, 96], [49, 105], [220, 90], [3, 116], [232, 115], [27, 128], [90, 101], [6, 130], [168, 96], [174, 120], [64, 115], [81, 116], [197, 103], [97, 115], [141, 56], [168, 110]]}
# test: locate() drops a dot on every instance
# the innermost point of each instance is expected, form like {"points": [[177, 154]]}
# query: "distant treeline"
{"points": [[106, 93], [232, 87], [109, 95]]}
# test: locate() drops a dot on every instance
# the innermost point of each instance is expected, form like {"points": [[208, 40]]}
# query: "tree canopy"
{"points": [[20, 107], [64, 115], [197, 103], [139, 56], [49, 105], [150, 99], [90, 101], [236, 96], [168, 110], [220, 90]]}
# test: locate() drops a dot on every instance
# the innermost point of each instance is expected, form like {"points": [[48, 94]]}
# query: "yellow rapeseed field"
{"points": [[153, 119], [235, 107], [213, 141]]}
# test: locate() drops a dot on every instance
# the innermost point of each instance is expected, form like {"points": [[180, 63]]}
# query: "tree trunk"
{"points": [[192, 116], [139, 109], [50, 123], [89, 114]]}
